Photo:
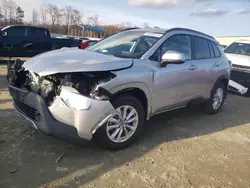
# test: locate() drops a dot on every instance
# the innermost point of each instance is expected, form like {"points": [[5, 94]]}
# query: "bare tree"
{"points": [[145, 25], [71, 16], [34, 17], [19, 15], [43, 15], [54, 14], [127, 24], [77, 17], [9, 11], [93, 20], [68, 12], [5, 11], [1, 15]]}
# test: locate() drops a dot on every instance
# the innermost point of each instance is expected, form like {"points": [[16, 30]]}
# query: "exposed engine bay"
{"points": [[48, 87]]}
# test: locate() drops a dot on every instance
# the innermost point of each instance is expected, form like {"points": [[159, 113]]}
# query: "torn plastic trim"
{"points": [[87, 84], [101, 93], [239, 88], [87, 118], [72, 98]]}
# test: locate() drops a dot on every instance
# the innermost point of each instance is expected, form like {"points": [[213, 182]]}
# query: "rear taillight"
{"points": [[230, 63]]}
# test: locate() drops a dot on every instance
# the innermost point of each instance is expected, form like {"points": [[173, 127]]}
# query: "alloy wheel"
{"points": [[122, 125], [218, 98]]}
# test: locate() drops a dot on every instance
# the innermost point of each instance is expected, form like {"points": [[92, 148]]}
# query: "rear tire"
{"points": [[122, 125], [216, 100]]}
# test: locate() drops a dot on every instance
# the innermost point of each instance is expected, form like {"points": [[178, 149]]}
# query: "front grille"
{"points": [[28, 111]]}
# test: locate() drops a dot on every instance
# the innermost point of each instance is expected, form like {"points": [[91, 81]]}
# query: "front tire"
{"points": [[216, 101], [123, 127]]}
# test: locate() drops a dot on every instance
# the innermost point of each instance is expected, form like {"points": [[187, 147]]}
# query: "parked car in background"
{"points": [[107, 91], [239, 54], [223, 46], [84, 38], [86, 43], [28, 41], [58, 43]]}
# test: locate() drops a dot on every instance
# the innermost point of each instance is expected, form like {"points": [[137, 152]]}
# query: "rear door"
{"points": [[204, 60], [39, 41]]}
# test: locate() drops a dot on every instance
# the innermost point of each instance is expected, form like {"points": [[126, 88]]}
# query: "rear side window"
{"points": [[216, 50], [201, 48], [37, 32], [15, 32]]}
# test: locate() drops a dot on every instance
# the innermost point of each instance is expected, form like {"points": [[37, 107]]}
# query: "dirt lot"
{"points": [[185, 148]]}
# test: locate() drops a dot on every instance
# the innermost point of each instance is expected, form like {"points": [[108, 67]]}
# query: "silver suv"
{"points": [[107, 91]]}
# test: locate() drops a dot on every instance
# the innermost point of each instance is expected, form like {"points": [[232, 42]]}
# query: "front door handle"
{"points": [[192, 67], [216, 64]]}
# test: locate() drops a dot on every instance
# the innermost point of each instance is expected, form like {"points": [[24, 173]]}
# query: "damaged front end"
{"points": [[71, 99], [239, 80]]}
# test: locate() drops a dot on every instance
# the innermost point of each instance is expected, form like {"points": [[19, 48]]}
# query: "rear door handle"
{"points": [[192, 67]]}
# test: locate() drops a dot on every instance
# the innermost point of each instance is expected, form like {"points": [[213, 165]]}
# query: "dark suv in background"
{"points": [[28, 41]]}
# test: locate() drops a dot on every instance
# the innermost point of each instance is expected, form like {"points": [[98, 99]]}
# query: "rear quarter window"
{"points": [[211, 49], [216, 50]]}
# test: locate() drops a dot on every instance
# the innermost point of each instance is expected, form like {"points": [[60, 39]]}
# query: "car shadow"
{"points": [[83, 164]]}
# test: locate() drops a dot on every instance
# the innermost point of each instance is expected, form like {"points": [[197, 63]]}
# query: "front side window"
{"points": [[201, 48], [127, 44], [178, 43], [238, 48], [14, 31], [36, 32]]}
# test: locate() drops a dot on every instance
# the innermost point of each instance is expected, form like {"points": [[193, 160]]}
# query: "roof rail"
{"points": [[185, 29], [130, 28]]}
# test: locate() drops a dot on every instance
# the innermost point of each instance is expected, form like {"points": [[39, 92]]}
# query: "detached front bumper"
{"points": [[71, 115], [240, 80]]}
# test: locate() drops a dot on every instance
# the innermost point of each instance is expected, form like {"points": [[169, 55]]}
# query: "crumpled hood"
{"points": [[74, 60], [237, 59]]}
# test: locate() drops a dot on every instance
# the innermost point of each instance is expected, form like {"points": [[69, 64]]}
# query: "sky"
{"points": [[214, 17]]}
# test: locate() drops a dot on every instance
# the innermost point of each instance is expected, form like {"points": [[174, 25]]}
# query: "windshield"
{"points": [[238, 48], [127, 44]]}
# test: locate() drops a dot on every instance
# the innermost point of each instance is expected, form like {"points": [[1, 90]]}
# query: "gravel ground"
{"points": [[184, 148]]}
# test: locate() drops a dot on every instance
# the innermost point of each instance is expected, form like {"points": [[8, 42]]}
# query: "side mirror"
{"points": [[4, 34], [173, 57]]}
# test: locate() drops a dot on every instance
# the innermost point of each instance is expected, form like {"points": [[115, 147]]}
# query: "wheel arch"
{"points": [[225, 80], [138, 90]]}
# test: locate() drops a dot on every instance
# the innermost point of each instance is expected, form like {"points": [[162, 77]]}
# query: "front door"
{"points": [[14, 39], [175, 84]]}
